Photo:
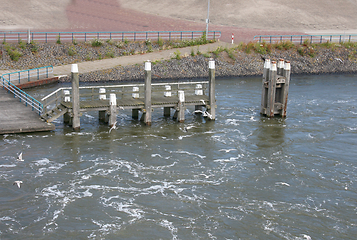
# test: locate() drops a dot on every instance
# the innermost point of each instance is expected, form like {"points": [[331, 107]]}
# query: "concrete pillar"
{"points": [[212, 86], [265, 80], [112, 109], [148, 109], [75, 98], [271, 89], [181, 107], [286, 74]]}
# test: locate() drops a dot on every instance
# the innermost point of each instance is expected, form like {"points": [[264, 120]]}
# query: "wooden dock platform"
{"points": [[15, 117]]}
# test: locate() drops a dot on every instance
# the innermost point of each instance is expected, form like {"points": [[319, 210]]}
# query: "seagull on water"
{"points": [[18, 183], [113, 127], [19, 157]]}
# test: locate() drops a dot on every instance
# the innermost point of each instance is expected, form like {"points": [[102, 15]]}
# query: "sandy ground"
{"points": [[241, 17], [302, 15]]}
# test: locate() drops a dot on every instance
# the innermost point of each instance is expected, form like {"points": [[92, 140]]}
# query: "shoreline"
{"points": [[243, 60]]}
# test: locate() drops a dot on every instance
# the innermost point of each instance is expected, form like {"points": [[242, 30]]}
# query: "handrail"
{"points": [[122, 86], [124, 35], [23, 96], [58, 95], [301, 38], [28, 75]]}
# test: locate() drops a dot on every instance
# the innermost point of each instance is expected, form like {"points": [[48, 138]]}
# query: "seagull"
{"points": [[19, 157], [203, 101], [114, 127], [205, 113], [121, 108], [18, 183]]}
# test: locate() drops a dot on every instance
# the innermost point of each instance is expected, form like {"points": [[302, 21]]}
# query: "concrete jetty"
{"points": [[15, 117]]}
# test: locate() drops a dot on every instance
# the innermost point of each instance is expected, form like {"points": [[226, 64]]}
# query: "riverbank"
{"points": [[236, 61]]}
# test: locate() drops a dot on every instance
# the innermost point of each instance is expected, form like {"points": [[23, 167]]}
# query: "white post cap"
{"points": [[113, 99], [287, 66], [267, 63], [74, 68], [281, 63], [148, 65], [211, 64], [273, 66]]}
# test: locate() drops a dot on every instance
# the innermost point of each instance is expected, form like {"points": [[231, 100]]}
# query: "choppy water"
{"points": [[241, 177]]}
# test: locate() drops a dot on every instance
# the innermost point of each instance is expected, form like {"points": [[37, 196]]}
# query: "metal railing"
{"points": [[23, 96], [89, 93], [29, 75], [301, 38], [120, 36]]}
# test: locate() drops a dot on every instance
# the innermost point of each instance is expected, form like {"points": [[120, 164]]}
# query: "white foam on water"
{"points": [[170, 226], [7, 165], [189, 153]]}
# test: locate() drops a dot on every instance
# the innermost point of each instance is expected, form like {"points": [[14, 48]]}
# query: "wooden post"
{"points": [[212, 83], [198, 92], [103, 113], [67, 115], [280, 67], [167, 93], [135, 113], [167, 111], [265, 80], [271, 89], [181, 106], [75, 98], [285, 93], [112, 109], [147, 113]]}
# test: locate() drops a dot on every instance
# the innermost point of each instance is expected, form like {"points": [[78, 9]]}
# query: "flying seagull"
{"points": [[114, 127], [18, 183], [204, 113], [19, 157]]}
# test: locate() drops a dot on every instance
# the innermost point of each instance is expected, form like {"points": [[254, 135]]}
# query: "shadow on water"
{"points": [[270, 132]]}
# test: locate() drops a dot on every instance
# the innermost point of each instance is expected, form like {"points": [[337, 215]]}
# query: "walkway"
{"points": [[15, 117], [85, 67]]}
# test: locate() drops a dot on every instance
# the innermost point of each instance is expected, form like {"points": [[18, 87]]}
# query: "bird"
{"points": [[18, 183], [113, 127], [204, 113], [19, 157], [203, 101]]}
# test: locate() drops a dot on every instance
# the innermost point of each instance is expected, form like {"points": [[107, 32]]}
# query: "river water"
{"points": [[243, 176]]}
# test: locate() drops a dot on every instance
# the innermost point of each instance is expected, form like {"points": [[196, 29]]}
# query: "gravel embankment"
{"points": [[338, 59]]}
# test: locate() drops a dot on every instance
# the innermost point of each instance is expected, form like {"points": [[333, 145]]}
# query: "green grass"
{"points": [[177, 55], [96, 42], [71, 51]]}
